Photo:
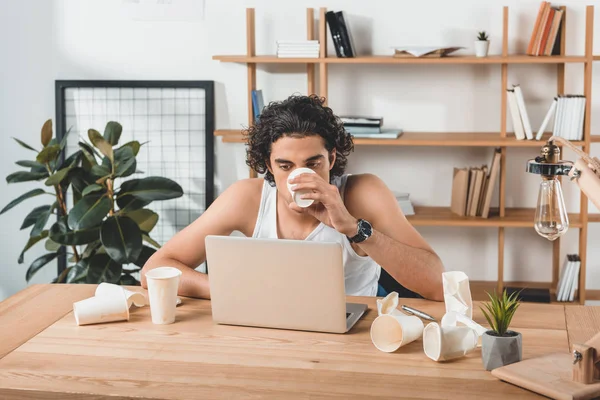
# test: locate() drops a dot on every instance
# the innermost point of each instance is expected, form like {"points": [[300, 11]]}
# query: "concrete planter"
{"points": [[497, 351]]}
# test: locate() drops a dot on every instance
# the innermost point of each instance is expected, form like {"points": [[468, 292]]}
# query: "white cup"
{"points": [[390, 332], [444, 343], [162, 293], [99, 309], [106, 289], [296, 195]]}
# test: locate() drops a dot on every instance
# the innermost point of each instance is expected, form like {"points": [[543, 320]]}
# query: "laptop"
{"points": [[279, 283]]}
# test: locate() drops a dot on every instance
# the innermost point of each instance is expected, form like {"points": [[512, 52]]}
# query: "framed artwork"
{"points": [[174, 120]]}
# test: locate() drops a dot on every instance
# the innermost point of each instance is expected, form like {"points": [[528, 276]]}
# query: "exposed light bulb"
{"points": [[551, 219]]}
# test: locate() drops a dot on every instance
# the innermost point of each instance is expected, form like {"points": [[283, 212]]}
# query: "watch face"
{"points": [[365, 228]]}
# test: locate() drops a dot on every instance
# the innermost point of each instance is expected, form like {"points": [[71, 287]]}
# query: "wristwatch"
{"points": [[364, 231]]}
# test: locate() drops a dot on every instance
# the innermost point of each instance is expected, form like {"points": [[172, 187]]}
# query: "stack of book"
{"points": [[298, 48], [545, 38], [340, 34], [405, 203], [569, 278], [473, 187], [368, 127], [568, 110]]}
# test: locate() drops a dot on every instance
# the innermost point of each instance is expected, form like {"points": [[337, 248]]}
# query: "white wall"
{"points": [[92, 39]]}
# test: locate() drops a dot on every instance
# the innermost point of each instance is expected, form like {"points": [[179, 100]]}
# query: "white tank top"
{"points": [[361, 273]]}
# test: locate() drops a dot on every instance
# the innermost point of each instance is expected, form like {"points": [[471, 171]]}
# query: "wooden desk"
{"points": [[196, 359]]}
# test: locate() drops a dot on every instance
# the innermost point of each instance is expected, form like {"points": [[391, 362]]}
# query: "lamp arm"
{"points": [[593, 161], [587, 180]]}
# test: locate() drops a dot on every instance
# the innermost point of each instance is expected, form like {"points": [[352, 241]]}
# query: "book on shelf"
{"points": [[569, 278], [547, 30], [382, 134], [257, 103], [298, 48], [473, 187], [405, 204], [340, 34]]}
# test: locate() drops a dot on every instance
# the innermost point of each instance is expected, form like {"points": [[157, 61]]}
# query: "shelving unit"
{"points": [[501, 217]]}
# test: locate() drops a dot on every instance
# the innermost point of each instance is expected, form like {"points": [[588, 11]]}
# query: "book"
{"points": [[384, 134], [546, 33], [513, 107], [345, 33], [460, 187], [523, 112], [257, 103], [546, 119], [491, 183]]}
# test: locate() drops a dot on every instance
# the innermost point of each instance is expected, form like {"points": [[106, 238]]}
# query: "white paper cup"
{"points": [[162, 293], [110, 289], [296, 195], [390, 332], [100, 309], [448, 342]]}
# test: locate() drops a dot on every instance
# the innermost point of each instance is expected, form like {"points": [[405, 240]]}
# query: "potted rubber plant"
{"points": [[482, 44], [499, 345], [105, 233]]}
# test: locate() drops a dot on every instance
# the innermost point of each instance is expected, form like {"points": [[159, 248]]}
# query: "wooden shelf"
{"points": [[596, 58], [455, 139], [384, 59], [595, 138], [514, 218]]}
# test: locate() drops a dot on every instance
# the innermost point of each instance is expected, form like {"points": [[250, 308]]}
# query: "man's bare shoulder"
{"points": [[363, 190]]}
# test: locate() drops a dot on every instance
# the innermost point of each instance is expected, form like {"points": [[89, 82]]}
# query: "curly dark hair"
{"points": [[297, 116]]}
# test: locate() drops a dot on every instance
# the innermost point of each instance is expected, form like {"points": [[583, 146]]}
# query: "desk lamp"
{"points": [[551, 219]]}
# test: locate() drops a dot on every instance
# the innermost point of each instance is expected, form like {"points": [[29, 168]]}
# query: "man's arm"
{"points": [[186, 251], [395, 244]]}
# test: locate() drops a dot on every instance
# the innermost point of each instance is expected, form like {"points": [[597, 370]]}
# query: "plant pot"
{"points": [[481, 48], [497, 351]]}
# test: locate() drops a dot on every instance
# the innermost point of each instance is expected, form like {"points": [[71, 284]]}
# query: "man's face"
{"points": [[289, 153]]}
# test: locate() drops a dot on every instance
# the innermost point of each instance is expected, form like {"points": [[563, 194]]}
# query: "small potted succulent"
{"points": [[482, 44], [499, 345]]}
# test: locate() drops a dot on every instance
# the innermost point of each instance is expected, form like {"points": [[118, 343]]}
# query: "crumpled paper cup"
{"points": [[444, 343], [110, 289], [457, 293], [389, 305], [100, 309], [390, 332]]}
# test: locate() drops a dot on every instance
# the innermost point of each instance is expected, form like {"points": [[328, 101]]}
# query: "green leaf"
{"points": [[34, 165], [100, 171], [60, 233], [80, 179], [89, 212], [91, 248], [148, 239], [128, 280], [112, 132], [24, 196], [51, 245], [145, 254], [25, 145], [94, 187], [58, 176], [50, 153], [135, 146], [25, 176], [125, 162], [146, 219], [63, 141], [101, 144], [103, 269], [151, 188], [130, 203], [122, 239], [41, 222], [72, 160], [47, 132], [30, 243], [33, 216], [38, 263], [89, 160], [78, 272]]}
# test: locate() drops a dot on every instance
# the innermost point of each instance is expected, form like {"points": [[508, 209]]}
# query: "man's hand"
{"points": [[328, 206]]}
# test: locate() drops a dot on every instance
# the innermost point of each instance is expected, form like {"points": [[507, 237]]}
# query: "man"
{"points": [[358, 211]]}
